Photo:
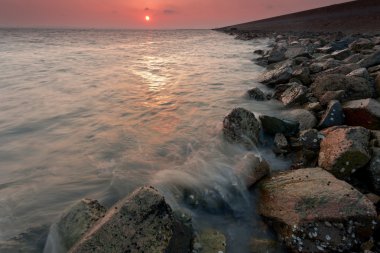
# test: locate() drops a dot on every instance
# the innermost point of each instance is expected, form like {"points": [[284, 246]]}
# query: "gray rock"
{"points": [[280, 141], [310, 139], [341, 54], [354, 58], [295, 94], [142, 222], [273, 125], [277, 76], [363, 112], [325, 50], [210, 241], [324, 65], [296, 51], [256, 94], [333, 115], [377, 85], [354, 87], [361, 72], [277, 55], [314, 106], [374, 170], [342, 69], [374, 69], [344, 150], [302, 74], [241, 126], [312, 211], [332, 95], [259, 52], [305, 118], [252, 168], [371, 60], [316, 67], [361, 44]]}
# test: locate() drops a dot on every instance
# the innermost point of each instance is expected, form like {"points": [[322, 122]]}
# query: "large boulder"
{"points": [[312, 211], [344, 150], [363, 112], [371, 60], [305, 118], [73, 224], [241, 126], [273, 125], [295, 94], [256, 94], [279, 75], [354, 87], [142, 222]]}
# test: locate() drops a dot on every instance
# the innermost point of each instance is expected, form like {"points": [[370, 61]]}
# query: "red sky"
{"points": [[131, 13]]}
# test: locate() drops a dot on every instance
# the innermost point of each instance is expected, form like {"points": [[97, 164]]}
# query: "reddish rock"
{"points": [[363, 112], [312, 211], [344, 150]]}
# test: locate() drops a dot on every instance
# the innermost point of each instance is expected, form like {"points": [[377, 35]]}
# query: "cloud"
{"points": [[146, 9]]}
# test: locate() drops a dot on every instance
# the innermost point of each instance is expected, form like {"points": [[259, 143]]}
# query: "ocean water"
{"points": [[95, 114]]}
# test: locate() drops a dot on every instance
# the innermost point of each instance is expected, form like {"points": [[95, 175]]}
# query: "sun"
{"points": [[147, 18]]}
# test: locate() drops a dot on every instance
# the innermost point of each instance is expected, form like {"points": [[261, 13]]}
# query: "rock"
{"points": [[354, 58], [325, 50], [316, 67], [273, 125], [259, 52], [142, 222], [280, 141], [241, 126], [371, 60], [361, 44], [342, 44], [341, 54], [332, 95], [312, 211], [258, 245], [277, 55], [342, 69], [314, 106], [374, 170], [252, 168], [374, 69], [277, 76], [210, 241], [305, 118], [279, 90], [74, 223], [295, 94], [333, 115], [296, 51], [375, 199], [256, 94], [377, 85], [354, 87], [363, 112], [325, 65], [344, 150], [310, 139], [302, 74], [361, 72]]}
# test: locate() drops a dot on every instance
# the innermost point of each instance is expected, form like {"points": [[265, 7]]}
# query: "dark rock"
{"points": [[325, 50], [295, 94], [296, 51], [342, 44], [361, 44], [324, 65], [302, 74], [342, 69], [354, 87], [305, 118], [341, 54], [252, 168], [312, 211], [344, 150], [371, 60], [259, 52], [273, 125], [277, 55], [332, 95], [241, 126], [256, 94], [363, 112], [377, 85], [277, 76], [354, 58], [314, 106], [310, 139], [374, 170], [333, 116], [361, 72], [279, 90], [142, 222], [374, 69]]}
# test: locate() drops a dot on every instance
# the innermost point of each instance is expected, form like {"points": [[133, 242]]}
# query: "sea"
{"points": [[98, 113]]}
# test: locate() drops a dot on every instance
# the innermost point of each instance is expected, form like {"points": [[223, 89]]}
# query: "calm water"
{"points": [[98, 113]]}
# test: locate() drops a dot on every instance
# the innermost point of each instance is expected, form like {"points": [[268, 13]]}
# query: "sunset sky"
{"points": [[131, 13]]}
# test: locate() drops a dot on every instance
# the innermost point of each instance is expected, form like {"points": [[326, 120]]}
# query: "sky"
{"points": [[130, 14]]}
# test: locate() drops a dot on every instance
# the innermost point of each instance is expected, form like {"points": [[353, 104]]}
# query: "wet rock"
{"points": [[142, 222], [305, 118], [354, 87], [279, 90], [332, 95], [252, 168], [256, 94], [296, 51], [370, 60], [210, 241], [361, 44], [259, 52], [344, 150], [342, 69], [302, 74], [341, 54], [314, 106], [374, 170], [312, 211], [277, 55], [74, 223], [295, 94], [325, 50], [333, 115], [310, 139], [377, 85], [277, 75], [354, 58], [259, 245], [280, 141], [324, 65], [241, 126], [273, 125], [363, 112], [361, 72]]}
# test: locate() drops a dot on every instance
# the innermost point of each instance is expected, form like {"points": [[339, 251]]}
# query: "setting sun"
{"points": [[147, 18]]}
